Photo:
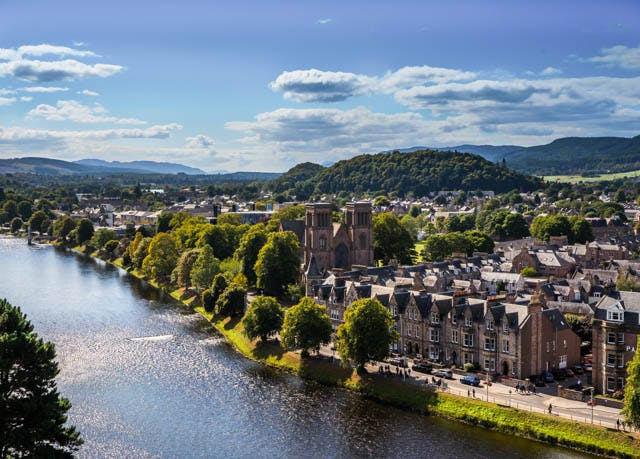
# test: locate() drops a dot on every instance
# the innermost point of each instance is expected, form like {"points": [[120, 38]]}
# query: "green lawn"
{"points": [[598, 178]]}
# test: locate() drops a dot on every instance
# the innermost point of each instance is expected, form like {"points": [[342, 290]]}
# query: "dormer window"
{"points": [[615, 315], [454, 319], [505, 326], [489, 324], [468, 322], [435, 318]]}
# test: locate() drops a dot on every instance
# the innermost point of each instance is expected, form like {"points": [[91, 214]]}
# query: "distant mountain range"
{"points": [[47, 166], [568, 155]]}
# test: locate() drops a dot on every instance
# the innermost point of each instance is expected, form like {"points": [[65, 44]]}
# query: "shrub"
{"points": [[208, 301]]}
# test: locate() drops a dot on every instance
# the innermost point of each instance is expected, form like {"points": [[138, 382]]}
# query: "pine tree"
{"points": [[32, 413]]}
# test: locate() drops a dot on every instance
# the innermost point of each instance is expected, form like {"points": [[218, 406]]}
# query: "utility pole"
{"points": [[592, 390]]}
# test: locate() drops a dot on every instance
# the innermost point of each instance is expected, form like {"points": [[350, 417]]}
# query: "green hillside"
{"points": [[419, 172]]}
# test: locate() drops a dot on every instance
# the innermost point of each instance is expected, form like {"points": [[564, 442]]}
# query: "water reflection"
{"points": [[194, 396]]}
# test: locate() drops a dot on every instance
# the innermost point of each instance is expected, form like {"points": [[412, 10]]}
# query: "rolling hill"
{"points": [[47, 166], [147, 166]]}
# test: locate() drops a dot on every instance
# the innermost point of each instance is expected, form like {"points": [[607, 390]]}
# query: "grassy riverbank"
{"points": [[540, 427]]}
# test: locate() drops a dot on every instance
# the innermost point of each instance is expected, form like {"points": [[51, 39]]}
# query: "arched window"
{"points": [[323, 242]]}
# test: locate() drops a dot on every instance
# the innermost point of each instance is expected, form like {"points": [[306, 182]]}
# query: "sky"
{"points": [[264, 85]]}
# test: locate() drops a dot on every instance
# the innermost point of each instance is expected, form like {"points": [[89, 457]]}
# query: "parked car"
{"points": [[578, 369], [548, 377], [398, 362], [587, 366], [422, 367], [569, 372], [470, 380], [443, 373]]}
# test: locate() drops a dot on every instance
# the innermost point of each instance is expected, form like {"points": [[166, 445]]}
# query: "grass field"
{"points": [[597, 178]]}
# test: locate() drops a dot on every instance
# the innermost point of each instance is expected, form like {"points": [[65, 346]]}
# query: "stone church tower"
{"points": [[338, 245]]}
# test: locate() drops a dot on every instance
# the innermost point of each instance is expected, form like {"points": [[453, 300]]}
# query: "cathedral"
{"points": [[328, 245]]}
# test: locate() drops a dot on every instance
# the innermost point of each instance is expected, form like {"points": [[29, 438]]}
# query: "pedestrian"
{"points": [[623, 426], [618, 424], [549, 408], [534, 389], [468, 393], [474, 393], [409, 371]]}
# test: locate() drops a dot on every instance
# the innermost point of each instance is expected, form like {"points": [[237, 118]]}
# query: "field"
{"points": [[596, 178]]}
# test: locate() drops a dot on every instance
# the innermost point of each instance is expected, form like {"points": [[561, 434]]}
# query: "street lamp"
{"points": [[509, 398], [487, 387], [592, 390]]}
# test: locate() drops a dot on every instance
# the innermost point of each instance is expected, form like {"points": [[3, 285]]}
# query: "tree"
{"points": [[207, 300], [85, 231], [581, 230], [184, 267], [625, 283], [366, 334], [32, 412], [620, 196], [25, 210], [459, 243], [278, 263], [631, 410], [381, 201], [436, 248], [232, 301], [39, 221], [391, 240], [63, 226], [544, 227], [162, 257], [101, 237], [162, 224], [480, 242], [528, 271], [205, 267], [250, 244], [263, 318], [11, 209], [306, 326], [223, 238], [218, 286], [16, 224]]}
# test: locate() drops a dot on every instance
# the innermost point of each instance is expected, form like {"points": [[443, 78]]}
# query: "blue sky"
{"points": [[249, 85]]}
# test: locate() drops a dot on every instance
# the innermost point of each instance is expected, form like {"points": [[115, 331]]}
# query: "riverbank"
{"points": [[391, 391]]}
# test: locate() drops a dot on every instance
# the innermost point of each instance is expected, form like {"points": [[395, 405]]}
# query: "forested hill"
{"points": [[419, 172], [578, 155]]}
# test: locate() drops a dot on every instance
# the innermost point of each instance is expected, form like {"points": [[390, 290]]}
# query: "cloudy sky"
{"points": [[258, 85]]}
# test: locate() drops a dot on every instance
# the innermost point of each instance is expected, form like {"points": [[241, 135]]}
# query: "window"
{"points": [[620, 338], [505, 326], [611, 384], [322, 243], [611, 338], [454, 319], [467, 358], [489, 324], [489, 344], [489, 365], [417, 331], [611, 360], [620, 360], [505, 346], [409, 330], [394, 311], [615, 316], [434, 335], [468, 322], [547, 346], [563, 361], [434, 354], [435, 317], [335, 314], [454, 336], [620, 383], [467, 339]]}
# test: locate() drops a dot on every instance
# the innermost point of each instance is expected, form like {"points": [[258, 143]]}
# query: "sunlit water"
{"points": [[148, 378]]}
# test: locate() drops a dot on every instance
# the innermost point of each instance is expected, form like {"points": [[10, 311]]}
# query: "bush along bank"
{"points": [[539, 427]]}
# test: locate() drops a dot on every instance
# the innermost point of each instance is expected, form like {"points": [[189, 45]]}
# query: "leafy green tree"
{"points": [[627, 284], [205, 267], [207, 300], [528, 271], [515, 226], [162, 224], [278, 263], [162, 257], [581, 230], [223, 238], [366, 334], [85, 231], [620, 196], [184, 267], [631, 410], [32, 414], [62, 226], [263, 318], [218, 286], [250, 244], [436, 248], [232, 301], [459, 243], [39, 221], [306, 326], [11, 208], [101, 237], [480, 242], [381, 201], [16, 224], [25, 210], [544, 227], [415, 211], [110, 247], [391, 240]]}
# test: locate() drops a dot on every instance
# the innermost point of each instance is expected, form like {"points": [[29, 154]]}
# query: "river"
{"points": [[148, 378]]}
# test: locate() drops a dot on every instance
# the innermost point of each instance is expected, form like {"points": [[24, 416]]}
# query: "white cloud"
{"points": [[324, 21], [47, 71], [42, 50], [199, 141], [71, 110], [7, 100], [315, 85], [86, 92], [26, 98], [551, 71], [618, 56], [43, 89], [20, 135]]}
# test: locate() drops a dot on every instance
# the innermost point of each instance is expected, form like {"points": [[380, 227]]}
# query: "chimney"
{"points": [[535, 305]]}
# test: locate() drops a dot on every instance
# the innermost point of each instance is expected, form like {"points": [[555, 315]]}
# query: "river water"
{"points": [[148, 378]]}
